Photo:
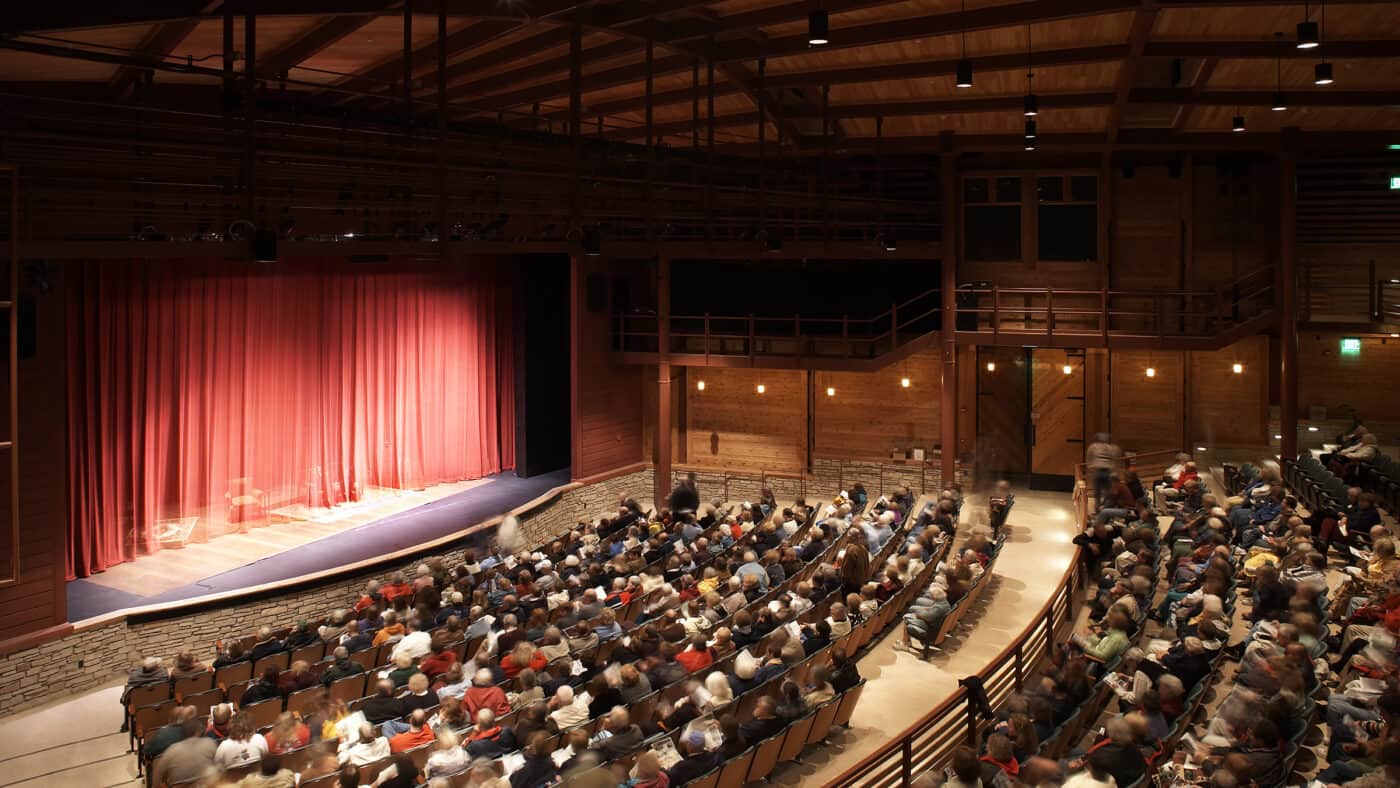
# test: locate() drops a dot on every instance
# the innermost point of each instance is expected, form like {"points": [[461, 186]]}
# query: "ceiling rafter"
{"points": [[321, 36], [1143, 20], [164, 39], [1198, 85]]}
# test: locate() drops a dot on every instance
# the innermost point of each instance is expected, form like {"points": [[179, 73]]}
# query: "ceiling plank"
{"points": [[159, 43]]}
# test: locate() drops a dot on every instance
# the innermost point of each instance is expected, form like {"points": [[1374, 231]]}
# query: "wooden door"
{"points": [[1057, 414], [1003, 408]]}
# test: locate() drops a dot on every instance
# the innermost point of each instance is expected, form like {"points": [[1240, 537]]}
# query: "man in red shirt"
{"points": [[698, 656], [484, 694], [440, 660], [418, 733], [398, 586]]}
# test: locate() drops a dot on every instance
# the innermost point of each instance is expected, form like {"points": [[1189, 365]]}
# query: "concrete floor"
{"points": [[901, 688], [74, 743]]}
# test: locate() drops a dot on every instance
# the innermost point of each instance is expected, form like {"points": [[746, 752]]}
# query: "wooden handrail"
{"points": [[901, 745]]}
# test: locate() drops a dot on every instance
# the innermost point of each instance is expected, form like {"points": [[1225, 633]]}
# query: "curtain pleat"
{"points": [[310, 381]]}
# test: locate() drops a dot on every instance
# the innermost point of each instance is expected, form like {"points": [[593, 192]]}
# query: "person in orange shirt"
{"points": [[524, 655], [392, 629], [418, 733], [698, 656]]}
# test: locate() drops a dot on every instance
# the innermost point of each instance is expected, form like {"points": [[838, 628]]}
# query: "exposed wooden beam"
{"points": [[1143, 20], [158, 45], [313, 41], [384, 72], [1198, 85], [1008, 62]]}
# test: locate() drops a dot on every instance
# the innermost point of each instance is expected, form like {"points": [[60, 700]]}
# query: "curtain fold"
{"points": [[224, 391]]}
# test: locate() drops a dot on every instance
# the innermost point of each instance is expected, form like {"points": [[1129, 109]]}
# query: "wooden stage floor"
{"points": [[173, 568]]}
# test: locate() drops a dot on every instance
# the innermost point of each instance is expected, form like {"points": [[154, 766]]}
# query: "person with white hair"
{"points": [[150, 671], [448, 756], [510, 537], [721, 694], [877, 531], [924, 619], [567, 709]]}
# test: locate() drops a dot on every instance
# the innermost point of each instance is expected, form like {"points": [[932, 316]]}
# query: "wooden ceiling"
{"points": [[1101, 67]]}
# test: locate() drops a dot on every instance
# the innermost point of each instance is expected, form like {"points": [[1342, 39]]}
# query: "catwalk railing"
{"points": [[1347, 294], [929, 742]]}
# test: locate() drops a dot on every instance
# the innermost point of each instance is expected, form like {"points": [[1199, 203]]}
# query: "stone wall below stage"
{"points": [[96, 654]]}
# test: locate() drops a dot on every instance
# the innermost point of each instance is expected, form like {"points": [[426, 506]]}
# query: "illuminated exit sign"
{"points": [[1395, 182], [1351, 346]]}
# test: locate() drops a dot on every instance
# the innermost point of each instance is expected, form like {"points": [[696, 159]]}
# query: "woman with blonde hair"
{"points": [[720, 692], [523, 656], [448, 756], [288, 733]]}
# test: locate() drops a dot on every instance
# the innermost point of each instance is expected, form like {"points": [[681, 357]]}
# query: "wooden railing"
{"points": [[1347, 294], [792, 336], [929, 743], [787, 483], [1097, 316]]}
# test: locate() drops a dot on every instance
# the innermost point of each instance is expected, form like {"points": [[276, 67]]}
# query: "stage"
{"points": [[382, 523]]}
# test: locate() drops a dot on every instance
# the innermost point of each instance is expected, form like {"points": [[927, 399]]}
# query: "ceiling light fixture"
{"points": [[1237, 125], [1322, 72], [818, 28], [889, 241], [1030, 129], [1280, 103], [1308, 37], [963, 78], [591, 241]]}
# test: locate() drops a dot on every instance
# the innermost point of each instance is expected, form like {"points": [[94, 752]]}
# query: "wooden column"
{"points": [[1287, 299], [576, 284], [948, 406], [662, 480]]}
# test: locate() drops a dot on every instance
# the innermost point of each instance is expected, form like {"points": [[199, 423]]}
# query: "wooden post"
{"points": [[948, 402], [662, 479], [576, 283], [1288, 297]]}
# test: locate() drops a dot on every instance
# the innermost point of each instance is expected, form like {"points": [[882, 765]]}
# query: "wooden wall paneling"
{"points": [[1147, 229], [730, 425], [608, 397], [1003, 404], [1097, 396], [1147, 413], [1364, 384], [38, 600], [1229, 408], [967, 400], [870, 413], [1057, 411]]}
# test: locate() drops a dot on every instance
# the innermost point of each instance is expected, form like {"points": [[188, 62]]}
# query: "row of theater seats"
{"points": [[859, 637]]}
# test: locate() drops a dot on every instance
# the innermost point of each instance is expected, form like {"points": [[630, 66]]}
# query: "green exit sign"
{"points": [[1395, 182], [1351, 346]]}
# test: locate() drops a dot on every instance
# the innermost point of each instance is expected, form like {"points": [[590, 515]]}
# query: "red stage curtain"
{"points": [[312, 381]]}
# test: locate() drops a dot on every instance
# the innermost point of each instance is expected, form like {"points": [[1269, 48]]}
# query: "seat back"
{"points": [[349, 688], [151, 716], [264, 713], [369, 773], [825, 716], [735, 772], [203, 701], [148, 694], [303, 701], [189, 685], [796, 738], [365, 659], [280, 660], [765, 757], [232, 674], [848, 704], [309, 654], [708, 780]]}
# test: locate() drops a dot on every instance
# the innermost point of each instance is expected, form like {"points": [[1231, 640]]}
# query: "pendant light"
{"points": [[1280, 102], [963, 78], [1308, 37], [1030, 129], [1238, 124], [1031, 107], [818, 28], [1322, 72]]}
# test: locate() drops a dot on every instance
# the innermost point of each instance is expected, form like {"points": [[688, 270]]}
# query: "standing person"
{"points": [[1102, 458], [686, 496]]}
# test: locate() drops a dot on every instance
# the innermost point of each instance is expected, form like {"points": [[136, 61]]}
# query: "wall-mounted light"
{"points": [[1278, 437], [1200, 448], [1068, 370], [1312, 429], [1237, 368], [991, 366], [1151, 372], [904, 382], [760, 388], [830, 392], [699, 385]]}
